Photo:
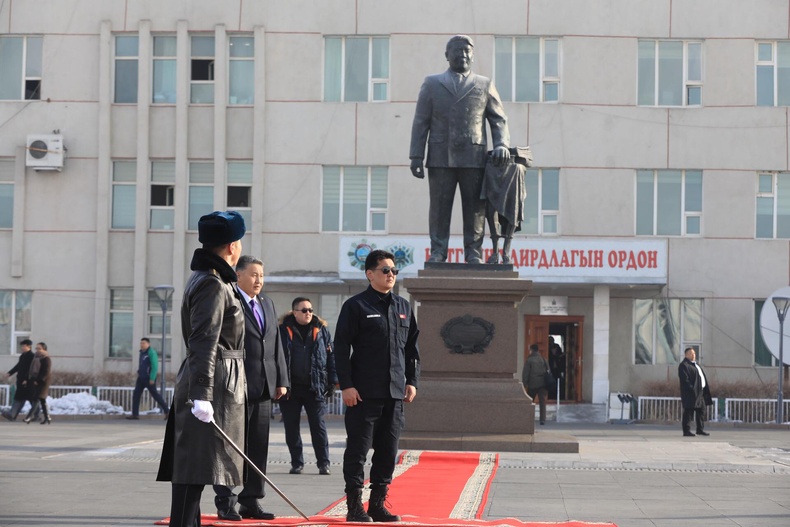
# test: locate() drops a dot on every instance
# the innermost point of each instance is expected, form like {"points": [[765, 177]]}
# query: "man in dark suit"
{"points": [[267, 379], [694, 392], [451, 112]]}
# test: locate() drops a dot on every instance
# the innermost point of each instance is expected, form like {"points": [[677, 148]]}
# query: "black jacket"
{"points": [[319, 345], [212, 323], [22, 370], [692, 393], [264, 361], [386, 357]]}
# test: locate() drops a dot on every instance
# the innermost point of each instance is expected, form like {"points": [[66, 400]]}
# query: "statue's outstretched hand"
{"points": [[417, 169], [501, 155]]}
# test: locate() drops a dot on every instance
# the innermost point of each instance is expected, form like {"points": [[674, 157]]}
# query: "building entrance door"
{"points": [[565, 357]]}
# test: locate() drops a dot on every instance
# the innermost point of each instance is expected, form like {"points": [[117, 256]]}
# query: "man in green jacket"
{"points": [[146, 378]]}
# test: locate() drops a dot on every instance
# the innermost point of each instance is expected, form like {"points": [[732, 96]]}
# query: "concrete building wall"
{"points": [[62, 248]]}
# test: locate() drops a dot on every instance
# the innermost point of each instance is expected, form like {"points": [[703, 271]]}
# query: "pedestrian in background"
{"points": [[533, 376], [694, 393], [21, 369], [311, 366], [147, 370], [38, 381]]}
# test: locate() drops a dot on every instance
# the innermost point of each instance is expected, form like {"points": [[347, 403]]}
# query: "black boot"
{"points": [[376, 507], [46, 419], [356, 512]]}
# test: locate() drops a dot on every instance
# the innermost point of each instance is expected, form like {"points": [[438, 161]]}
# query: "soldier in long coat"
{"points": [[211, 382]]}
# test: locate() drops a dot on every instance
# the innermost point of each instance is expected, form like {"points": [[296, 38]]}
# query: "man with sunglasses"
{"points": [[311, 366], [377, 378]]}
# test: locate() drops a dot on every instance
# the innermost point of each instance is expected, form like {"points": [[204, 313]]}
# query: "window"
{"points": [[163, 176], [20, 68], [356, 69], [241, 70], [6, 194], [240, 189], [773, 205], [124, 194], [773, 74], [541, 208], [664, 327], [762, 355], [354, 199], [126, 50], [670, 73], [668, 202], [528, 69], [202, 70], [164, 82], [154, 327], [121, 323], [201, 192], [16, 314]]}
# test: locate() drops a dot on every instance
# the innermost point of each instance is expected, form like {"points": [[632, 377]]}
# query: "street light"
{"points": [[164, 293], [781, 303]]}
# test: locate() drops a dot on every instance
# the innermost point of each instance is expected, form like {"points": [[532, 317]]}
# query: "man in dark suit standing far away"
{"points": [[452, 108], [267, 379], [694, 393]]}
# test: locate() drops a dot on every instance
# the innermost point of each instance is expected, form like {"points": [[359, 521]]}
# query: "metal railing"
{"points": [[753, 410], [5, 395], [56, 392], [122, 396], [668, 409]]}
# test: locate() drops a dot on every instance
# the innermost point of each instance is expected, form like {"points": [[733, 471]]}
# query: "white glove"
{"points": [[203, 411]]}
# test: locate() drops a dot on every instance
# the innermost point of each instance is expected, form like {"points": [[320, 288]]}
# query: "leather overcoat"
{"points": [[212, 322], [692, 393]]}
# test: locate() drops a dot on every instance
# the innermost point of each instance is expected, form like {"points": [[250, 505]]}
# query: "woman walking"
{"points": [[38, 383]]}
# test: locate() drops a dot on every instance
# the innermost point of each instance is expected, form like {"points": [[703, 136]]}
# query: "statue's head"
{"points": [[460, 53]]}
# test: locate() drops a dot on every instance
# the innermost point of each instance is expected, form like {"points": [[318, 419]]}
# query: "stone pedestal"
{"points": [[469, 396]]}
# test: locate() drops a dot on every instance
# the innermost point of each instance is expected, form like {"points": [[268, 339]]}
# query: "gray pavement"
{"points": [[101, 471]]}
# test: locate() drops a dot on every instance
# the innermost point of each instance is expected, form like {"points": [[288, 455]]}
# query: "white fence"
{"points": [[122, 396], [668, 409], [754, 410]]}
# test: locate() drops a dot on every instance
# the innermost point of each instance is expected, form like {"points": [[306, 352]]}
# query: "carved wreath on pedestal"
{"points": [[467, 334]]}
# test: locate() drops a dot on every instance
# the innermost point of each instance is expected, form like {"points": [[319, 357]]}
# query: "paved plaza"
{"points": [[84, 471]]}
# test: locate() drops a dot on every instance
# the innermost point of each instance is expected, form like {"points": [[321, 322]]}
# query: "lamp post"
{"points": [[164, 293], [781, 303]]}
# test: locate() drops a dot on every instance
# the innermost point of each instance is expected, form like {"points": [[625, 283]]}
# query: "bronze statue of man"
{"points": [[451, 112]]}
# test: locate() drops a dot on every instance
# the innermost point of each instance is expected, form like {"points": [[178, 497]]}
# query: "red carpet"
{"points": [[437, 489]]}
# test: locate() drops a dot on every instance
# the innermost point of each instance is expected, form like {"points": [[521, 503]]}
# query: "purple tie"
{"points": [[255, 311]]}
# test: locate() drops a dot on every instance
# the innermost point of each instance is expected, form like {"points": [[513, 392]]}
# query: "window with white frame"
{"points": [[239, 190], [527, 69], [121, 323], [664, 327], [20, 68], [6, 193], [762, 355], [668, 202], [202, 70], [773, 73], [201, 192], [154, 326], [773, 205], [124, 194], [356, 69], [241, 70], [354, 199], [163, 176], [164, 74], [541, 207], [16, 315], [126, 58], [670, 73]]}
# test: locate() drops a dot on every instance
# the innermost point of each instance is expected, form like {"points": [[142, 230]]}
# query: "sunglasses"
{"points": [[306, 310], [388, 270]]}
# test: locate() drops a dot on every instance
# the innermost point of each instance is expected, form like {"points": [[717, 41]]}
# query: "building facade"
{"points": [[658, 209]]}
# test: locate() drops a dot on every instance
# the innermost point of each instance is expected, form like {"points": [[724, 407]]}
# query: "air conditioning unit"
{"points": [[44, 152]]}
